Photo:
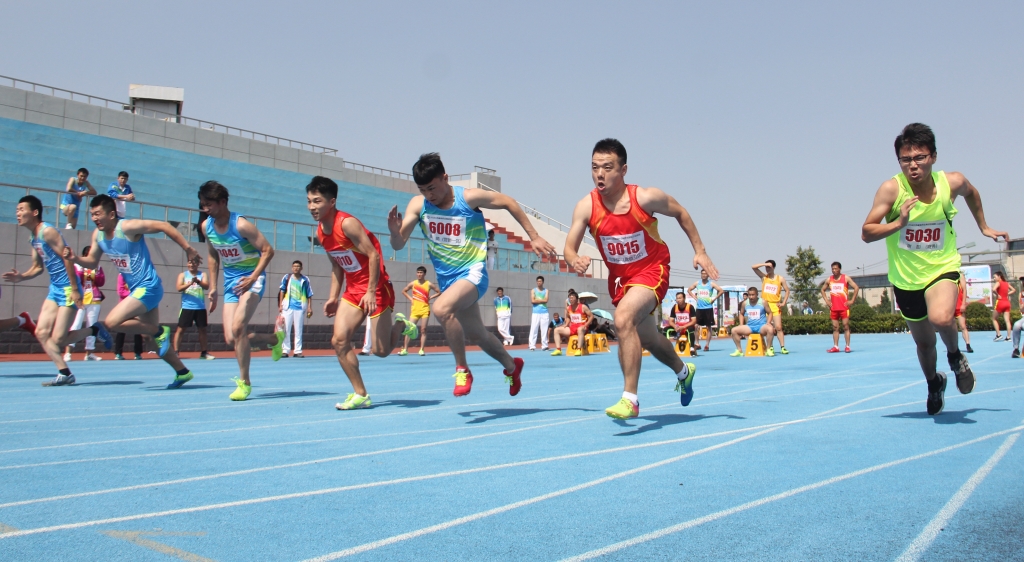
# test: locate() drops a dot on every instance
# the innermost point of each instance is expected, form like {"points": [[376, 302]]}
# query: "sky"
{"points": [[772, 124]]}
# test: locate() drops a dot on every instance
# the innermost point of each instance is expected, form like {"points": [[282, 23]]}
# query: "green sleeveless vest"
{"points": [[926, 247]]}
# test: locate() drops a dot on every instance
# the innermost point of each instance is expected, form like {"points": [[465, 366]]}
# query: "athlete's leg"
{"points": [[1017, 326], [543, 327], [846, 331], [470, 323], [737, 333], [939, 298], [962, 320], [152, 318], [777, 330], [561, 332], [422, 325], [461, 296], [534, 327], [289, 321], [1006, 320], [300, 324], [346, 321], [386, 334], [92, 315], [9, 324], [124, 317], [77, 324], [71, 212], [177, 338], [581, 339], [47, 325], [633, 310], [835, 333], [654, 341], [203, 343], [767, 332], [995, 322]]}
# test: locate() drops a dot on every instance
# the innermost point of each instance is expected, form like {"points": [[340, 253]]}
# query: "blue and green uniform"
{"points": [[60, 285], [540, 308], [74, 198], [503, 306], [238, 258], [756, 316], [133, 262], [194, 297], [457, 242], [704, 291], [296, 291]]}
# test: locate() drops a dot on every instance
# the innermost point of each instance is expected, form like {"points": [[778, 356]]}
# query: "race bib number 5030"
{"points": [[923, 236], [624, 249], [446, 230]]}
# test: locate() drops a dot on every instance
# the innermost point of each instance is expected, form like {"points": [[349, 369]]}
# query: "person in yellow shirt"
{"points": [[420, 297], [775, 293]]}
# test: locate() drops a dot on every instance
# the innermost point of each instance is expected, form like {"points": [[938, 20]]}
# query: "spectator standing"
{"points": [[555, 322], [72, 201], [193, 284], [121, 193], [122, 293], [293, 299], [539, 319], [492, 250], [90, 281], [503, 309], [805, 308]]}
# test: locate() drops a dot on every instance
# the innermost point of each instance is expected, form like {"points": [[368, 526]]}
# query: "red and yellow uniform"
{"points": [[839, 291], [577, 318], [961, 297], [634, 253], [356, 265], [420, 300], [1002, 297]]}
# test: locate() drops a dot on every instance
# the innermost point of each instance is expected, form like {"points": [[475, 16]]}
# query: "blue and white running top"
{"points": [[457, 241], [194, 297], [54, 264], [134, 264], [704, 292], [756, 317]]}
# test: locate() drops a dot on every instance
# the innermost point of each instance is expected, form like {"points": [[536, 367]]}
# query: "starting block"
{"points": [[704, 334], [600, 343], [683, 346], [722, 332], [755, 346], [574, 345]]}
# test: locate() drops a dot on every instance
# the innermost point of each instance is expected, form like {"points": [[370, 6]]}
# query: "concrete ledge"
{"points": [[261, 160], [83, 126], [47, 119], [181, 132], [181, 145], [209, 138], [208, 150], [307, 158], [15, 113], [44, 104], [283, 165], [116, 133], [150, 126], [310, 170], [235, 156], [329, 162], [119, 119], [237, 144], [152, 140], [260, 148], [12, 97], [286, 154], [82, 112]]}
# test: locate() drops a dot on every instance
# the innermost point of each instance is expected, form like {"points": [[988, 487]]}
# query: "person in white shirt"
{"points": [[293, 300], [539, 320]]}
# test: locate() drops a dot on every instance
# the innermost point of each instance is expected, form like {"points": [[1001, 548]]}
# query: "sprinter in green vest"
{"points": [[924, 264]]}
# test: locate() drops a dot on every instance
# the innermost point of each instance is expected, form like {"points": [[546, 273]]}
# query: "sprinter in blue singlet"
{"points": [[756, 319], [125, 242], [71, 202]]}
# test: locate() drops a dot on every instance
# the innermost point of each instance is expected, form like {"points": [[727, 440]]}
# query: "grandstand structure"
{"points": [[47, 133]]}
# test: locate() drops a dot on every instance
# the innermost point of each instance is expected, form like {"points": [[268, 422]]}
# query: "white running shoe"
{"points": [[92, 357], [67, 357]]}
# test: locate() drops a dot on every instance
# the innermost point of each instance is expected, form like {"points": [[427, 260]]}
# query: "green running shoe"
{"points": [[354, 402], [242, 392], [770, 352], [163, 340], [685, 385], [276, 350], [784, 351], [736, 353], [421, 352], [180, 380], [403, 353], [623, 410], [411, 330], [556, 352]]}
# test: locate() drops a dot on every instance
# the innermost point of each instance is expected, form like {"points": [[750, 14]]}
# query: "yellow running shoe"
{"points": [[770, 352], [624, 410], [736, 353], [578, 353], [354, 402], [402, 353], [275, 350], [242, 392], [556, 352], [422, 352], [411, 330]]}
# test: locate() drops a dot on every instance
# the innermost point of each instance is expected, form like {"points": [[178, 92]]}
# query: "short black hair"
{"points": [[771, 262], [34, 204], [1000, 275], [838, 264], [324, 186], [82, 170], [213, 191], [428, 168], [751, 289], [573, 293], [502, 289], [105, 201], [421, 268], [122, 174], [540, 277], [297, 262], [611, 146], [916, 134]]}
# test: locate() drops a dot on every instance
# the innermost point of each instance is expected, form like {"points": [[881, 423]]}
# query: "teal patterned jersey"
{"points": [[238, 257], [53, 263], [456, 239]]}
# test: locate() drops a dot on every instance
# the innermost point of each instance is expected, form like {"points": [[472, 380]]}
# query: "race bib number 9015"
{"points": [[624, 249], [923, 236], [446, 230]]}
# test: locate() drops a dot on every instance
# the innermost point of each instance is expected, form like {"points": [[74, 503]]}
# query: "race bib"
{"points": [[703, 294], [446, 230], [624, 249], [347, 260], [682, 317], [923, 236], [231, 253], [576, 318], [771, 289], [123, 262], [839, 289], [754, 314]]}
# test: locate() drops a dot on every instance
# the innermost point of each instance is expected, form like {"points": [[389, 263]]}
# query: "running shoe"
{"points": [[545, 348], [784, 351], [243, 390], [92, 357], [422, 352], [937, 394], [969, 350], [833, 349], [163, 340], [847, 349], [770, 352], [736, 353], [298, 356], [364, 353], [354, 402], [276, 350], [513, 380], [138, 357], [623, 410], [61, 380], [1015, 354], [463, 382], [685, 385], [119, 357], [556, 352], [403, 353], [577, 353], [998, 338], [707, 348], [533, 349], [103, 335], [207, 356], [67, 356], [411, 330], [964, 375], [180, 380], [29, 326]]}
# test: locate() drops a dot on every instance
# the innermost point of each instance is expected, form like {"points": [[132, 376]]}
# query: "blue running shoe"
{"points": [[103, 335], [180, 380], [163, 340], [685, 386]]}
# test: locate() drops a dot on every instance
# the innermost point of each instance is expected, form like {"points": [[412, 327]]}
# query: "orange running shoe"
{"points": [[463, 381], [515, 384]]}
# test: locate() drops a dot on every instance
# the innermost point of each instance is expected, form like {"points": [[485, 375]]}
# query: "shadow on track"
{"points": [[108, 383], [297, 394], [946, 417], [408, 403], [499, 413], [187, 387], [26, 376], [667, 420]]}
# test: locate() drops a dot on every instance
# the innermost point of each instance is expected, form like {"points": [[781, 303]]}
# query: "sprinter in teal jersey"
{"points": [[755, 318], [125, 242], [453, 225], [245, 254], [706, 292], [62, 302]]}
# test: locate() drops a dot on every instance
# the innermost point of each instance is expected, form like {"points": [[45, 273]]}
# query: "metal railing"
{"points": [[378, 171], [542, 217], [171, 117], [282, 234]]}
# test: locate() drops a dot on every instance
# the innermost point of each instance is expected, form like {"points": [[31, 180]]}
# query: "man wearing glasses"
{"points": [[924, 264]]}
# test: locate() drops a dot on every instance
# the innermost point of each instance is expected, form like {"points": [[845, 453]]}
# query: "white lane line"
{"points": [[886, 393], [918, 547], [780, 496], [312, 493], [516, 505]]}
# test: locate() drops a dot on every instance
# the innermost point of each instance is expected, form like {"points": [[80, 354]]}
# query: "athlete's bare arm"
{"points": [[784, 290], [960, 187], [485, 199], [56, 242], [437, 292], [580, 220], [714, 286], [361, 243], [689, 291], [405, 292], [71, 181], [856, 289], [654, 200], [331, 306], [13, 276], [873, 229], [89, 190], [743, 312], [401, 227], [213, 269], [757, 269], [133, 228], [693, 319], [826, 288], [249, 231], [90, 261], [181, 285]]}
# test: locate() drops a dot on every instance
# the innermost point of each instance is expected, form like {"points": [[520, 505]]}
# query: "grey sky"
{"points": [[772, 125]]}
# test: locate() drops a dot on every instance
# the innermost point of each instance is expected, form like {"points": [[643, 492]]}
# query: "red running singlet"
{"points": [[355, 265]]}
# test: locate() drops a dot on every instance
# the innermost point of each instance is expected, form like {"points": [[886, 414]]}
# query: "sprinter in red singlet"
{"points": [[620, 218], [356, 263], [958, 314], [836, 294]]}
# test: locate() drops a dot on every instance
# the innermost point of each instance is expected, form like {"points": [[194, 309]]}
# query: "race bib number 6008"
{"points": [[446, 230], [624, 249]]}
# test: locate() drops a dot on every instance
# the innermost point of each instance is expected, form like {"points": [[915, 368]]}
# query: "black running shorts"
{"points": [[912, 305], [187, 317], [706, 317]]}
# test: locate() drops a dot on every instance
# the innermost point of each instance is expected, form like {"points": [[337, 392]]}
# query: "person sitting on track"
{"points": [[755, 318], [579, 316], [683, 320]]}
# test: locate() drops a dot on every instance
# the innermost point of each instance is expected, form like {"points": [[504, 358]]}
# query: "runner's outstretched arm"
{"points": [[134, 227], [401, 227], [959, 186], [580, 220], [213, 269], [249, 231], [483, 199], [654, 200], [873, 230], [90, 261]]}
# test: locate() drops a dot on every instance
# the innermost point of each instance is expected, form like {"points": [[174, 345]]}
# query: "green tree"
{"points": [[803, 268], [884, 306]]}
